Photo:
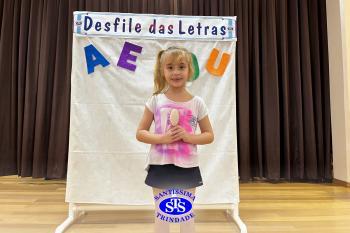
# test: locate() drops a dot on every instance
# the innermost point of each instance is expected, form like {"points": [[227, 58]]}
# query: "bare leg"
{"points": [[160, 226], [188, 226]]}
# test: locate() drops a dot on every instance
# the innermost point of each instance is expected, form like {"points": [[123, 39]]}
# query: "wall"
{"points": [[338, 23]]}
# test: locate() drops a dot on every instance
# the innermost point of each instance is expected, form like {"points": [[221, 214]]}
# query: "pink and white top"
{"points": [[178, 153]]}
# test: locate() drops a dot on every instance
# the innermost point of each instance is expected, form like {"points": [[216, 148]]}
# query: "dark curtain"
{"points": [[283, 114], [283, 111]]}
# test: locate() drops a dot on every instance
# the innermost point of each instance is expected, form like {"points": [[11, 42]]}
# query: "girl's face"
{"points": [[176, 72]]}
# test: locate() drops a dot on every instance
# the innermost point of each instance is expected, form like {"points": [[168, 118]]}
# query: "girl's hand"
{"points": [[167, 138], [181, 133], [174, 134]]}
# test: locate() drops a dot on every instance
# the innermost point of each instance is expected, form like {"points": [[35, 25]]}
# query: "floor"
{"points": [[37, 206]]}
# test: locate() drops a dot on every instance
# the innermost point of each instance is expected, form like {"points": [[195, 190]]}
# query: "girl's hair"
{"points": [[177, 53]]}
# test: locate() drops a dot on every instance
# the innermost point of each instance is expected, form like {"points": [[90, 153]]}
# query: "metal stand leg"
{"points": [[234, 212], [73, 215]]}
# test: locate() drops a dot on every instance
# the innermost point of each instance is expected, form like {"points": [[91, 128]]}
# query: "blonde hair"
{"points": [[177, 53]]}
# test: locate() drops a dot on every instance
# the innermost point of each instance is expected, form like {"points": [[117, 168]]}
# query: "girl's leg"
{"points": [[160, 226], [188, 226]]}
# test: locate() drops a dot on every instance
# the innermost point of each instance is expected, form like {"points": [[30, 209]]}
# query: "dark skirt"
{"points": [[169, 176]]}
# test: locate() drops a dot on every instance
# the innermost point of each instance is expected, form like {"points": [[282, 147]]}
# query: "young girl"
{"points": [[172, 162]]}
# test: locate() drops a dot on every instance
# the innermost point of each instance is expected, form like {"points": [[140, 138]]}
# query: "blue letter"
{"points": [[180, 28], [94, 58], [86, 19]]}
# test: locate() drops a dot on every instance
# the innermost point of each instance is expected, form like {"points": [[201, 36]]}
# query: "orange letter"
{"points": [[223, 63]]}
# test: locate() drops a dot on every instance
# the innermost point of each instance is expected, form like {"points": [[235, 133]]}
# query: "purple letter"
{"points": [[125, 56]]}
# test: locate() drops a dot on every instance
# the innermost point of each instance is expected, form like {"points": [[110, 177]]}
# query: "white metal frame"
{"points": [[78, 210]]}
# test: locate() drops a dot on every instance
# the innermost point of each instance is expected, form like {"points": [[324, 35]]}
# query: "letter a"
{"points": [[94, 58]]}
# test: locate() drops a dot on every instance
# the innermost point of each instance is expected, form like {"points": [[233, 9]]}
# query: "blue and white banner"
{"points": [[155, 26], [112, 78]]}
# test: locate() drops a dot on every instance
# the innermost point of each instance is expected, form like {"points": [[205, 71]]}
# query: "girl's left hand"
{"points": [[180, 133]]}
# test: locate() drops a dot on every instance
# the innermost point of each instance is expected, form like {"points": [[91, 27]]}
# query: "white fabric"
{"points": [[179, 153], [106, 162]]}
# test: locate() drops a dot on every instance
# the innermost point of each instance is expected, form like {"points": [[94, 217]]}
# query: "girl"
{"points": [[172, 162]]}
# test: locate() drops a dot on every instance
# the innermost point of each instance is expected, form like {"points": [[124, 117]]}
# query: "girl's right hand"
{"points": [[170, 136]]}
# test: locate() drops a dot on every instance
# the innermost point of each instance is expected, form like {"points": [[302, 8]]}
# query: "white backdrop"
{"points": [[106, 162]]}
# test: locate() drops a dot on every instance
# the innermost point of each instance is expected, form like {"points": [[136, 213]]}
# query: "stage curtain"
{"points": [[283, 106]]}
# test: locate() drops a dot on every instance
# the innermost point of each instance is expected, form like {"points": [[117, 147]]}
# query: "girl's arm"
{"points": [[205, 137], [143, 134]]}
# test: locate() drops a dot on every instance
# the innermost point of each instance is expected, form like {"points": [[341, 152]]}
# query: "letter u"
{"points": [[220, 70]]}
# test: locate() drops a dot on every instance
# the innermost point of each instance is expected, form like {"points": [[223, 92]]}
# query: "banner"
{"points": [[112, 77], [155, 26]]}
